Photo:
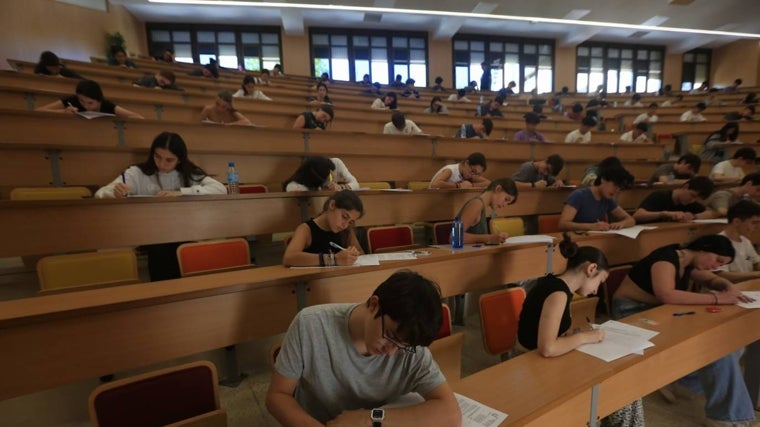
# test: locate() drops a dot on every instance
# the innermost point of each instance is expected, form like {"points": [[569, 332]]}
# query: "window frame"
{"points": [[614, 63], [689, 69]]}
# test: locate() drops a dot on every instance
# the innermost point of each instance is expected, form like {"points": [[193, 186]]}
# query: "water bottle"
{"points": [[671, 178], [463, 131], [233, 185], [457, 234]]}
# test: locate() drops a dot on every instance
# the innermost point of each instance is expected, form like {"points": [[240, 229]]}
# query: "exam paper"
{"points": [[620, 339], [630, 232], [374, 259], [475, 414], [754, 304], [89, 115], [533, 238], [712, 221]]}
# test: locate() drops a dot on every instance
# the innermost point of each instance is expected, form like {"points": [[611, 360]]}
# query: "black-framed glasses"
{"points": [[405, 348]]}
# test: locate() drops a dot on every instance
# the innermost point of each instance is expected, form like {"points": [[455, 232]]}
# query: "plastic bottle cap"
{"points": [[231, 164]]}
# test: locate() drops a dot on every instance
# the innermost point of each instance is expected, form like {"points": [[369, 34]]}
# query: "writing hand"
{"points": [[121, 190], [347, 257], [616, 226], [600, 226]]}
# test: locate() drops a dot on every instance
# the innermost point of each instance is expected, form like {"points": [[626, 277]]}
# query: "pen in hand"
{"points": [[683, 313], [337, 246]]}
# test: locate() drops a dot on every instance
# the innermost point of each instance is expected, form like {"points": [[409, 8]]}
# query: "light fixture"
{"points": [[365, 9]]}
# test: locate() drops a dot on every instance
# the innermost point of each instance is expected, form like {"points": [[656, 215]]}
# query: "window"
{"points": [[350, 54], [248, 48], [696, 68], [613, 67], [528, 63]]}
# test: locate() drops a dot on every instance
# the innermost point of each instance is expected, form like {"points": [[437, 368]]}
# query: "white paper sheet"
{"points": [[712, 221], [630, 232], [753, 294], [476, 414], [374, 259], [533, 238], [89, 115], [620, 340]]}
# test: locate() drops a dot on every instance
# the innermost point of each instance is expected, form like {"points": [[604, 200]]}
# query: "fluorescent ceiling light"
{"points": [[363, 9]]}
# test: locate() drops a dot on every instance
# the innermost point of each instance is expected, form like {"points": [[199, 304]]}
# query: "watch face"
{"points": [[378, 414]]}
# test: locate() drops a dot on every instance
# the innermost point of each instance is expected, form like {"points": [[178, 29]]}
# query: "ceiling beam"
{"points": [[448, 26], [292, 22], [578, 36]]}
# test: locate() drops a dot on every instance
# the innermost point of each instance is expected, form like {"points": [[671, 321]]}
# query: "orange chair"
{"points": [[158, 398], [253, 188], [390, 236], [499, 314], [203, 257], [548, 224], [446, 328], [613, 282], [442, 233]]}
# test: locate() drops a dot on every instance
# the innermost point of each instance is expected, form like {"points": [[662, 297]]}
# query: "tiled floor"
{"points": [[245, 404]]}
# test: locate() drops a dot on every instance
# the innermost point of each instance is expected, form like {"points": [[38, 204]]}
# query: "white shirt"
{"points": [[727, 169], [149, 185], [341, 175], [454, 97], [410, 128], [257, 94], [628, 137], [454, 177], [646, 118], [576, 134], [378, 104], [631, 104], [691, 116], [746, 256]]}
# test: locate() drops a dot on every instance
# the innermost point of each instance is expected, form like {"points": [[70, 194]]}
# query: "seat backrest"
{"points": [[253, 188], [511, 226], [442, 233], [613, 282], [156, 398], [393, 235], [49, 193], [447, 353], [548, 224], [375, 185], [418, 185], [499, 314], [86, 269], [446, 328], [583, 312], [200, 257]]}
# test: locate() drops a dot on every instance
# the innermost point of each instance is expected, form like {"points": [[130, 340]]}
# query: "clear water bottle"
{"points": [[457, 234], [233, 184], [671, 178], [463, 131]]}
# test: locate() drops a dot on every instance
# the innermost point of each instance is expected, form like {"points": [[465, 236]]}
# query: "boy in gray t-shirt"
{"points": [[339, 361]]}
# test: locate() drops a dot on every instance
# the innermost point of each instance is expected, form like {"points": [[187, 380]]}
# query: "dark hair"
{"points": [[701, 106], [692, 160], [751, 98], [532, 118], [751, 108], [312, 173], [745, 153], [556, 162], [49, 59], [117, 49], [398, 77], [168, 74], [577, 107], [506, 184], [578, 256], [394, 104], [588, 121], [729, 132], [327, 109], [461, 93], [439, 80], [188, 170], [226, 96], [476, 159], [743, 210], [754, 178], [713, 243], [246, 80], [170, 50], [487, 125], [642, 126], [90, 89], [264, 71], [618, 175], [414, 302], [636, 97], [279, 67], [653, 104], [410, 81], [702, 185], [321, 84], [399, 120], [738, 82], [434, 109], [345, 199], [212, 68]]}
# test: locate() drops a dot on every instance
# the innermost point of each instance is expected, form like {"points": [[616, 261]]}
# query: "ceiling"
{"points": [[724, 15]]}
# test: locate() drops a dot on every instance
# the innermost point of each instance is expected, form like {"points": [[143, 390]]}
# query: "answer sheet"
{"points": [[630, 232], [620, 339], [476, 414]]}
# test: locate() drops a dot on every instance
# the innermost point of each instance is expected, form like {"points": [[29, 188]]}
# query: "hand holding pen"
{"points": [[121, 189], [70, 108], [595, 335], [346, 256]]}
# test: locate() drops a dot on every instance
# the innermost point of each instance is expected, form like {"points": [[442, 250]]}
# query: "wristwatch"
{"points": [[377, 416]]}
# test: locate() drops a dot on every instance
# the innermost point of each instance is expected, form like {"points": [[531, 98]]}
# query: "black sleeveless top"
{"points": [[530, 316], [320, 239], [310, 121], [641, 272]]}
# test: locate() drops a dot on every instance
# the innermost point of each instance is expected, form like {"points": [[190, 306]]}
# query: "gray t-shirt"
{"points": [[722, 199], [333, 376], [527, 172]]}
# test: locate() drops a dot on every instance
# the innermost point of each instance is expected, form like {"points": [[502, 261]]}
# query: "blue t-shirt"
{"points": [[588, 208]]}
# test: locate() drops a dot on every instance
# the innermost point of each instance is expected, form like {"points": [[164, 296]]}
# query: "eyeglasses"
{"points": [[406, 348]]}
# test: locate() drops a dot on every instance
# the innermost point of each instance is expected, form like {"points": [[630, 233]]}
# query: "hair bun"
{"points": [[567, 247]]}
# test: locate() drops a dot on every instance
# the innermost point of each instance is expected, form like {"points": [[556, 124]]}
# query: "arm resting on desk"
{"points": [[549, 344]]}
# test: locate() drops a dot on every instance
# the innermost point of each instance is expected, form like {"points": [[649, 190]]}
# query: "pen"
{"points": [[337, 246], [123, 178], [683, 313]]}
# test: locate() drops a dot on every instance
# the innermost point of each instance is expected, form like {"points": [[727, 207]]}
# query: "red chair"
{"points": [[390, 236], [613, 282], [499, 315], [158, 398], [548, 224], [446, 329], [442, 233], [203, 257], [253, 188]]}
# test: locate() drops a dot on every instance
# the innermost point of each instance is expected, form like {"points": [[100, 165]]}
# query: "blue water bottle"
{"points": [[233, 185], [457, 234]]}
